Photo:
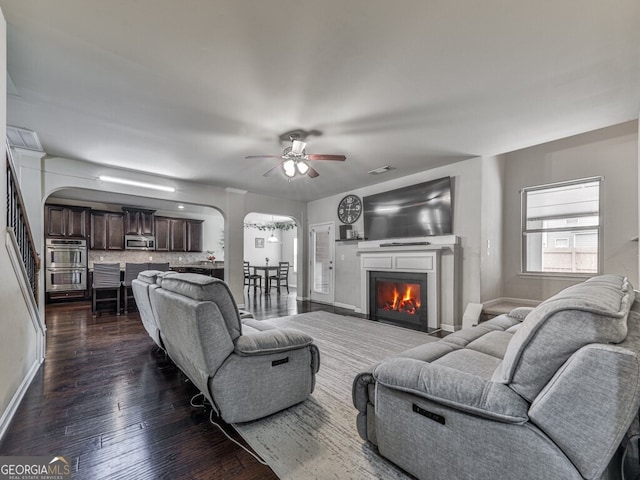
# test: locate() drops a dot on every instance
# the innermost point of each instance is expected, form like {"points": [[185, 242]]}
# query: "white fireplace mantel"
{"points": [[436, 257]]}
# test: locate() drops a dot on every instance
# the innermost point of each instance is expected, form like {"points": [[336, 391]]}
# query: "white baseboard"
{"points": [[447, 328], [8, 414], [344, 305]]}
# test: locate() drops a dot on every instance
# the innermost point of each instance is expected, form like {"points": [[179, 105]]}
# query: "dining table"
{"points": [[266, 269]]}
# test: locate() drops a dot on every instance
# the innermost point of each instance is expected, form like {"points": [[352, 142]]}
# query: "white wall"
{"points": [[257, 256], [18, 338], [610, 152]]}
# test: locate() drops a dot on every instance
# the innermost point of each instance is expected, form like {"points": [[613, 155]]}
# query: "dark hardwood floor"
{"points": [[109, 402]]}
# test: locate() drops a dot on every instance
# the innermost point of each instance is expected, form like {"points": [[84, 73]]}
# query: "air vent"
{"points": [[379, 170], [23, 138]]}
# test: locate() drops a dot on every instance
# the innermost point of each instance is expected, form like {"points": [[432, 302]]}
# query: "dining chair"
{"points": [[248, 277], [281, 277], [131, 271], [106, 278]]}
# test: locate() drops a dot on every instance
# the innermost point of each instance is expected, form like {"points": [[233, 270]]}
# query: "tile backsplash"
{"points": [[141, 256]]}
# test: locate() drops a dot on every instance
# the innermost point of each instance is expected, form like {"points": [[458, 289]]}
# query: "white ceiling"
{"points": [[188, 89]]}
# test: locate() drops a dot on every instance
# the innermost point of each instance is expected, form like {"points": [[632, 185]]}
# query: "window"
{"points": [[561, 228]]}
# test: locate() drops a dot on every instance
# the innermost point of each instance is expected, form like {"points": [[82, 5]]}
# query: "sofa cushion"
{"points": [[470, 361], [591, 312], [202, 288]]}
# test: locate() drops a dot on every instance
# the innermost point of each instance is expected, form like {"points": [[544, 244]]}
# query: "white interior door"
{"points": [[322, 259]]}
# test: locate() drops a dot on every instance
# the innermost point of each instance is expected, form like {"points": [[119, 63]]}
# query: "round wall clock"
{"points": [[349, 209]]}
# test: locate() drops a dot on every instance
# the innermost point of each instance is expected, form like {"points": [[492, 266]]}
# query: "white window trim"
{"points": [[523, 230]]}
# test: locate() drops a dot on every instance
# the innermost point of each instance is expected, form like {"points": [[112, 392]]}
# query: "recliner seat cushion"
{"points": [[591, 312]]}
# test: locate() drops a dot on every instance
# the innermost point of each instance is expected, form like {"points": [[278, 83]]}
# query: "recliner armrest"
{"points": [[454, 388], [271, 341]]}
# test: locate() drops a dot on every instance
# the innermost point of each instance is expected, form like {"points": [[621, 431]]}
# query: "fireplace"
{"points": [[399, 298]]}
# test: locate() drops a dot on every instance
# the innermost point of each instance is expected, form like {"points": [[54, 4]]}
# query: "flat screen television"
{"points": [[415, 211]]}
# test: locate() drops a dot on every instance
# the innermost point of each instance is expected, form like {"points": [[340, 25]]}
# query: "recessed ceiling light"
{"points": [[181, 207], [134, 183]]}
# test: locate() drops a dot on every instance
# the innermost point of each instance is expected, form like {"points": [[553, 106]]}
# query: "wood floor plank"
{"points": [[118, 409]]}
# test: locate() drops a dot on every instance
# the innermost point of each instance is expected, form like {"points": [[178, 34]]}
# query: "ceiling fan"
{"points": [[295, 158]]}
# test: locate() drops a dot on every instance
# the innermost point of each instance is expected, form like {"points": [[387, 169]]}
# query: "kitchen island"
{"points": [[205, 268]]}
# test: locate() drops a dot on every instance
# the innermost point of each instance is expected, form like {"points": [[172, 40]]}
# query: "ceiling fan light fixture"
{"points": [[303, 168], [289, 167], [297, 147]]}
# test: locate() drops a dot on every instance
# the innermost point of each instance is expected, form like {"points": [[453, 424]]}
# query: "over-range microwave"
{"points": [[139, 242]]}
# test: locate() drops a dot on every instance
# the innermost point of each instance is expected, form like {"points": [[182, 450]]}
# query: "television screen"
{"points": [[415, 211]]}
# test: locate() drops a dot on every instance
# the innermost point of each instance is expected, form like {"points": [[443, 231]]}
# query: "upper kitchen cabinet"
{"points": [[178, 239], [163, 233], [194, 235], [178, 234], [138, 222], [107, 231], [63, 221]]}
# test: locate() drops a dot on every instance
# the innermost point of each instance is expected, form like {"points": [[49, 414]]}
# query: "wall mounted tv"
{"points": [[415, 211]]}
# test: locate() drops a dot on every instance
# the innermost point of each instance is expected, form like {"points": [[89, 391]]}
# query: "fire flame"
{"points": [[401, 301]]}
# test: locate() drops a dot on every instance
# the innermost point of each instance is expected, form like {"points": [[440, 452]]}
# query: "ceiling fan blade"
{"points": [[272, 170], [319, 156], [264, 156], [312, 173]]}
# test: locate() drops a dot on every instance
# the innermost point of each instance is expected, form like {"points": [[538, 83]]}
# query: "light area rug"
{"points": [[318, 439]]}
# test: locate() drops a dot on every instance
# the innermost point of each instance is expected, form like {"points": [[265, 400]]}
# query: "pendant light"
{"points": [[272, 238]]}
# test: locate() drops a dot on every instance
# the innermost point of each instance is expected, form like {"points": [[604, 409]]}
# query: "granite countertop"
{"points": [[201, 265]]}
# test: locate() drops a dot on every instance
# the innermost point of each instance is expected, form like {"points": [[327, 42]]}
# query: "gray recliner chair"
{"points": [[536, 394], [247, 369], [148, 280]]}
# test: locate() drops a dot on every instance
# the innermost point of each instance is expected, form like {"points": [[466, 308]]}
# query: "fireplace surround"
{"points": [[436, 258]]}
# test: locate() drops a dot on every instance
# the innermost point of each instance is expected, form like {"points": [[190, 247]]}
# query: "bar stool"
{"points": [[106, 277], [131, 271]]}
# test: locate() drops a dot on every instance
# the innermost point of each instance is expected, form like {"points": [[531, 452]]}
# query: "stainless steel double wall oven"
{"points": [[66, 265]]}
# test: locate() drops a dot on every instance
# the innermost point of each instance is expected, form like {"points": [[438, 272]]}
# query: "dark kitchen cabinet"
{"points": [[138, 222], [163, 233], [107, 231], [178, 240], [194, 235], [178, 234], [63, 221]]}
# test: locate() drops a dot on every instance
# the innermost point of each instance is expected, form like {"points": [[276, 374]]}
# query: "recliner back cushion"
{"points": [[202, 288], [148, 276], [591, 312]]}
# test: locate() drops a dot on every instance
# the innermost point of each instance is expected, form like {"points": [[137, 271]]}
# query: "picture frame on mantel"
{"points": [[259, 242]]}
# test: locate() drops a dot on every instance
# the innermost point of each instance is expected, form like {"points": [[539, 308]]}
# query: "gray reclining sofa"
{"points": [[544, 393], [246, 369]]}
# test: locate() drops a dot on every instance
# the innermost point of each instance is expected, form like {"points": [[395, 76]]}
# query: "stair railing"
{"points": [[18, 222]]}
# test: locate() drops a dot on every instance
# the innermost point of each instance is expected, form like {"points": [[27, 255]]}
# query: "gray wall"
{"points": [[610, 152], [491, 228], [467, 203]]}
